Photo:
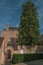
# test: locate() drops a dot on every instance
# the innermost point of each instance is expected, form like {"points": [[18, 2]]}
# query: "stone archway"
{"points": [[9, 51]]}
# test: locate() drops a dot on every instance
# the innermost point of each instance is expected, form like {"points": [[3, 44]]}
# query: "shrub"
{"points": [[18, 58]]}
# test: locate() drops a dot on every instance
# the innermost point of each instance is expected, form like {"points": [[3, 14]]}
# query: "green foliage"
{"points": [[29, 26], [18, 58]]}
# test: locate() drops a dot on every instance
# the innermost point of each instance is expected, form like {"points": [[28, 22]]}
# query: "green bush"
{"points": [[31, 57], [18, 58]]}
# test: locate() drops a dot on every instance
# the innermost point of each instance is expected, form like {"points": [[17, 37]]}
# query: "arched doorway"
{"points": [[8, 54]]}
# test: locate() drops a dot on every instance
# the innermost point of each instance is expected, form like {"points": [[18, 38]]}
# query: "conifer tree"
{"points": [[29, 25]]}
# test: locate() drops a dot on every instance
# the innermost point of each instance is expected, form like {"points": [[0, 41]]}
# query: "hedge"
{"points": [[18, 58]]}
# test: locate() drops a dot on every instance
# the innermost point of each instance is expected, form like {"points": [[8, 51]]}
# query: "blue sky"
{"points": [[11, 10]]}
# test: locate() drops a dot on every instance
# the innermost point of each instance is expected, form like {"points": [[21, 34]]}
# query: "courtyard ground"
{"points": [[37, 62]]}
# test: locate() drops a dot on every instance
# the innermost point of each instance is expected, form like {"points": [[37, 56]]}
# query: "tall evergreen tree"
{"points": [[29, 25]]}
